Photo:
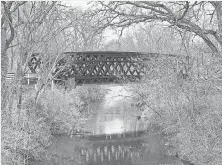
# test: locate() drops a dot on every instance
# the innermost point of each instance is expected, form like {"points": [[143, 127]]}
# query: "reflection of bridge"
{"points": [[127, 151], [95, 67], [110, 153], [99, 154]]}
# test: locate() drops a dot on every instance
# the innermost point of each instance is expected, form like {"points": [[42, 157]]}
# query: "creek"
{"points": [[117, 136]]}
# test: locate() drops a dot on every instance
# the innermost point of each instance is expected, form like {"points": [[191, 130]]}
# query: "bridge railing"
{"points": [[31, 79]]}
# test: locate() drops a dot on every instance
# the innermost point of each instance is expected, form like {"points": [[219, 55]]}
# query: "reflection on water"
{"points": [[115, 114], [114, 126], [129, 150], [117, 137]]}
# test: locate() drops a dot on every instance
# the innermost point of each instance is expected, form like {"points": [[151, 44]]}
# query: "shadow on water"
{"points": [[117, 138]]}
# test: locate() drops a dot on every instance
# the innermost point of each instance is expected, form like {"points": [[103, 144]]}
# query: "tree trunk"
{"points": [[4, 68], [19, 77]]}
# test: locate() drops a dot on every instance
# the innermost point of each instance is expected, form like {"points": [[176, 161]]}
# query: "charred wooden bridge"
{"points": [[94, 66]]}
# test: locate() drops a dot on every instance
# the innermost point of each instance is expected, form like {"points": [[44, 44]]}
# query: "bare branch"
{"points": [[186, 10], [9, 19], [146, 11]]}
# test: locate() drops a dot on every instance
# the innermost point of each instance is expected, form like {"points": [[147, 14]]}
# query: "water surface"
{"points": [[117, 137]]}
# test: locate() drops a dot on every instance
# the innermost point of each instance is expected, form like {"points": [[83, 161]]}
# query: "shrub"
{"points": [[28, 134], [191, 117], [198, 126], [60, 110], [24, 141]]}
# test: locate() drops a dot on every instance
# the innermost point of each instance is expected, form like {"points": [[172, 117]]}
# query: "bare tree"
{"points": [[198, 20], [83, 35], [201, 18], [48, 28], [7, 36], [27, 29]]}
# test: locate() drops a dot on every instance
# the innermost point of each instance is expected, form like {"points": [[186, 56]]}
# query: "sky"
{"points": [[82, 4]]}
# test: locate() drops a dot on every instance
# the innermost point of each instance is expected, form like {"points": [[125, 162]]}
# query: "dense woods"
{"points": [[183, 93]]}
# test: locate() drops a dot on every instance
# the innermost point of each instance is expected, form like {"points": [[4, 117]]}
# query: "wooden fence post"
{"points": [[28, 79], [52, 86]]}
